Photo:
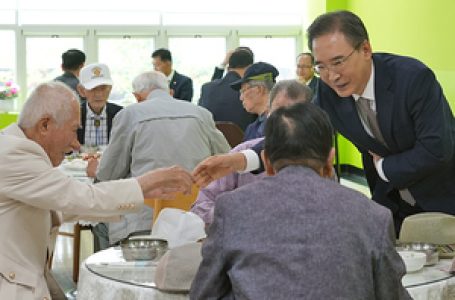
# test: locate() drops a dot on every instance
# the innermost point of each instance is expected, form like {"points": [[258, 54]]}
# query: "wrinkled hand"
{"points": [[164, 183], [218, 166], [92, 166]]}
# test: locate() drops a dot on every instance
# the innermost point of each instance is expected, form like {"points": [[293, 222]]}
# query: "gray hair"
{"points": [[294, 91], [53, 99], [149, 81]]}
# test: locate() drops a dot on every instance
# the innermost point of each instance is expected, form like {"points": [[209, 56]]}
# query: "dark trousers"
{"points": [[404, 210]]}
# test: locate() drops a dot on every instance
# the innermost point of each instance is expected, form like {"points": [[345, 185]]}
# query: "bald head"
{"points": [[289, 92]]}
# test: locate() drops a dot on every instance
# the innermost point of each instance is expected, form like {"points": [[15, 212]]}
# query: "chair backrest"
{"points": [[180, 201], [231, 131]]}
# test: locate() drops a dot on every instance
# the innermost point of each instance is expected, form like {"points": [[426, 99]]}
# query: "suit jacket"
{"points": [[111, 110], [297, 235], [224, 102], [418, 127], [158, 132], [30, 189], [217, 73], [313, 85], [182, 86]]}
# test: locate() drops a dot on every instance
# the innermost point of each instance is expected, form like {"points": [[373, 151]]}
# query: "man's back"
{"points": [[224, 102], [159, 132], [298, 236]]}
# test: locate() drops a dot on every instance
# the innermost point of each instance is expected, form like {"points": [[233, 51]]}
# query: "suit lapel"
{"points": [[384, 101]]}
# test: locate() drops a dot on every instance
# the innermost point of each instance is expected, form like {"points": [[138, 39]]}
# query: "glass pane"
{"points": [[280, 52], [197, 58], [8, 57], [44, 58], [126, 58]]}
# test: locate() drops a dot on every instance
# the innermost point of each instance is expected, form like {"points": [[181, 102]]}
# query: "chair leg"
{"points": [[76, 250]]}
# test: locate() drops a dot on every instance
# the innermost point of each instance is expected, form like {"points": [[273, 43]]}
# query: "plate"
{"points": [[75, 165], [414, 261]]}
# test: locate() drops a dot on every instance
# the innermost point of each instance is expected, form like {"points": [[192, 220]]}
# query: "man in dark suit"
{"points": [[295, 234], [181, 86], [305, 71], [224, 102], [219, 70], [393, 110], [96, 112]]}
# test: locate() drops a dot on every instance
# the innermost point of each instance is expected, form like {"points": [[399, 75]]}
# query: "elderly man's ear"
{"points": [[269, 170], [327, 170]]}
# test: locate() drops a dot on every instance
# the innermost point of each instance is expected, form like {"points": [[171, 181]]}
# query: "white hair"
{"points": [[53, 99], [149, 81]]}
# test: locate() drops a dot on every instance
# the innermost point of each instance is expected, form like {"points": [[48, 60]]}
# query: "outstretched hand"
{"points": [[164, 183], [218, 166]]}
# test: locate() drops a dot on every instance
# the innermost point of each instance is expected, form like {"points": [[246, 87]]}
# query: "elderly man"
{"points": [[31, 188], [295, 234], [254, 87], [96, 113], [158, 131], [284, 93], [305, 71]]}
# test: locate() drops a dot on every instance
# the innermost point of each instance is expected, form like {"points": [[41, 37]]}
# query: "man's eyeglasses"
{"points": [[242, 91], [336, 66]]}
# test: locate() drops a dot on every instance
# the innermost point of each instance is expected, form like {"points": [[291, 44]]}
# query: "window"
{"points": [[197, 57], [126, 57], [44, 57], [8, 57], [278, 51]]}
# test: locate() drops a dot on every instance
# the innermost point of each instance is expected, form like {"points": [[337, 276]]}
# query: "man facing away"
{"points": [[224, 102], [297, 234], [181, 86], [32, 189], [96, 112], [73, 61], [157, 131]]}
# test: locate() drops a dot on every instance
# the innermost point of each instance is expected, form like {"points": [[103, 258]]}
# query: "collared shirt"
{"points": [[96, 127], [255, 129], [169, 78]]}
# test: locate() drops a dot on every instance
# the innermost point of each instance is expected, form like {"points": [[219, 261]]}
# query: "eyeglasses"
{"points": [[336, 66], [242, 91]]}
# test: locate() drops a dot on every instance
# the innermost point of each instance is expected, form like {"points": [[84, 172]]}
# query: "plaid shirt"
{"points": [[96, 127]]}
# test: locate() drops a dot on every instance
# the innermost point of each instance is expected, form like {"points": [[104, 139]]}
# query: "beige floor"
{"points": [[63, 254]]}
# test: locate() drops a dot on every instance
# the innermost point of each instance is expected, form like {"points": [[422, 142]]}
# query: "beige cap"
{"points": [[431, 227], [178, 267]]}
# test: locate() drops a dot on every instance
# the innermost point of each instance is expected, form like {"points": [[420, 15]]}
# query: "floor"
{"points": [[63, 258]]}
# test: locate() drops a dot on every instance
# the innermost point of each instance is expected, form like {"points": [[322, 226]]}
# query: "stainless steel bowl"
{"points": [[429, 249], [143, 249]]}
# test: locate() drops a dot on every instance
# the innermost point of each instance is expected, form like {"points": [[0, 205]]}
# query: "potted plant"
{"points": [[8, 92]]}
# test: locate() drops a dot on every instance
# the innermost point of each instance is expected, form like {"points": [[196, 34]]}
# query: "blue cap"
{"points": [[258, 71]]}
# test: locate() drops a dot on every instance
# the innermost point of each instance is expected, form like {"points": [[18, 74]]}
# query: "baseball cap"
{"points": [[94, 75], [258, 71]]}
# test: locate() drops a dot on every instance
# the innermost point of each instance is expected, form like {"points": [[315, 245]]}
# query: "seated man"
{"points": [[284, 93], [96, 113], [158, 131], [73, 61], [254, 87], [295, 234], [32, 189]]}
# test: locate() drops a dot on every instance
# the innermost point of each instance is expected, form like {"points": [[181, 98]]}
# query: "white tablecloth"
{"points": [[106, 276], [431, 283]]}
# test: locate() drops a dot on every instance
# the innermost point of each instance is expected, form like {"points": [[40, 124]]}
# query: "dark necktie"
{"points": [[369, 118]]}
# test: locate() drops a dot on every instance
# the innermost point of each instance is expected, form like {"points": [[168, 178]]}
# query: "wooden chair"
{"points": [[181, 201], [231, 131]]}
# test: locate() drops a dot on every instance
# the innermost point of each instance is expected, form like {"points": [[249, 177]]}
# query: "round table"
{"points": [[432, 282], [106, 275]]}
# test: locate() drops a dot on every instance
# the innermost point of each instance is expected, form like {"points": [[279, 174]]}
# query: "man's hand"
{"points": [[215, 167], [227, 57], [92, 166], [164, 183]]}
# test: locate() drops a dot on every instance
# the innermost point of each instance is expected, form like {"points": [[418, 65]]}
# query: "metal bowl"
{"points": [[429, 249], [143, 249]]}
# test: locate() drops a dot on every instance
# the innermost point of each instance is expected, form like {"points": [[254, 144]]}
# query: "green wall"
{"points": [[7, 118], [419, 28]]}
